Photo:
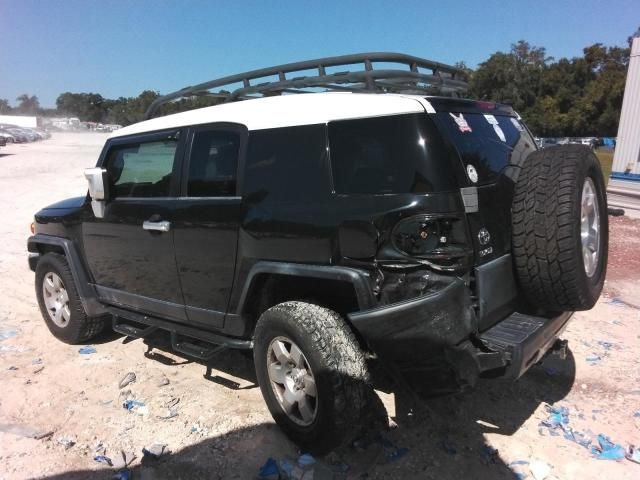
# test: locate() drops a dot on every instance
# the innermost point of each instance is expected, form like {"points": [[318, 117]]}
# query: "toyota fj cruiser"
{"points": [[373, 219]]}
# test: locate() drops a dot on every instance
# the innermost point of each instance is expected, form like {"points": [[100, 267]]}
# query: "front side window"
{"points": [[213, 164], [141, 169]]}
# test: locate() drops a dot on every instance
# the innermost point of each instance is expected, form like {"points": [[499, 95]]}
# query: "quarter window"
{"points": [[213, 164], [142, 169]]}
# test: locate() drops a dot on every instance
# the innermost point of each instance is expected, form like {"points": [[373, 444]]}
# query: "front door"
{"points": [[130, 252], [207, 220]]}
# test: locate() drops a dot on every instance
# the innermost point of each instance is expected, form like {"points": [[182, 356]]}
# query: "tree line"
{"points": [[581, 96]]}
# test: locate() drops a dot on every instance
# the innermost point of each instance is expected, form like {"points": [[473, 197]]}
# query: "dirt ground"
{"points": [[222, 428]]}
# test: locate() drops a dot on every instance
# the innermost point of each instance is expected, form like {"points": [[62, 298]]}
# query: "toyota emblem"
{"points": [[483, 236]]}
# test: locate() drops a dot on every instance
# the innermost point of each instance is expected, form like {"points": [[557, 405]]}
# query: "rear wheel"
{"points": [[60, 303], [560, 228], [312, 374]]}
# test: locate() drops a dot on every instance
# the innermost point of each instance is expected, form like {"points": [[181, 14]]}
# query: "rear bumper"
{"points": [[414, 328], [443, 325], [524, 340]]}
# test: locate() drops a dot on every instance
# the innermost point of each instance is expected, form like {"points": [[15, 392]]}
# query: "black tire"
{"points": [[338, 365], [79, 327], [546, 213]]}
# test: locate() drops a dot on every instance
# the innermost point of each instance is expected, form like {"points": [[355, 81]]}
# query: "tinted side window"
{"points": [[213, 164], [142, 169], [385, 155], [287, 164], [488, 142]]}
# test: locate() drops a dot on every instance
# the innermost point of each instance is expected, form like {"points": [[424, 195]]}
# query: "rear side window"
{"points": [[287, 164], [142, 169], [389, 155], [488, 142], [213, 164]]}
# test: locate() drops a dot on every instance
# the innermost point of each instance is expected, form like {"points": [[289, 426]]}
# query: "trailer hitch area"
{"points": [[560, 348]]}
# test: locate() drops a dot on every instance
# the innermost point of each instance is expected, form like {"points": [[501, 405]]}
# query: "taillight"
{"points": [[442, 241], [33, 228]]}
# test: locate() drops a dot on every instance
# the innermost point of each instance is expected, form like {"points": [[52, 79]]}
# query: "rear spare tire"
{"points": [[560, 231]]}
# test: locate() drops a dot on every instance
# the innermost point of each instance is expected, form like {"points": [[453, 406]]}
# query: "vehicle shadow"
{"points": [[444, 436]]}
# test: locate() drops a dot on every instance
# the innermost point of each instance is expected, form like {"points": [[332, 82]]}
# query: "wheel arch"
{"points": [[39, 245], [341, 289]]}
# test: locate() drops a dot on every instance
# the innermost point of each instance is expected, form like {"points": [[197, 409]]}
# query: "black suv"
{"points": [[326, 231]]}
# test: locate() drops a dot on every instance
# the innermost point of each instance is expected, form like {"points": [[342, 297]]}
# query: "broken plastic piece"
{"points": [[269, 470], [607, 450], [155, 450], [128, 378], [87, 350], [103, 459]]}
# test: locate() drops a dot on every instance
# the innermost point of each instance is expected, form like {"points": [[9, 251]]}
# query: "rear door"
{"points": [[206, 221], [130, 251]]}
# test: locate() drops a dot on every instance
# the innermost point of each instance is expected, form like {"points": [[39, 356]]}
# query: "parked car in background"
{"points": [[18, 136], [7, 137], [3, 141]]}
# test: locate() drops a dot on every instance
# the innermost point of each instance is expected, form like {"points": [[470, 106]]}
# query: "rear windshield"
{"points": [[488, 142], [389, 155]]}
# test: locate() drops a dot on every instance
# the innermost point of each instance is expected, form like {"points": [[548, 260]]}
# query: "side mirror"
{"points": [[98, 189]]}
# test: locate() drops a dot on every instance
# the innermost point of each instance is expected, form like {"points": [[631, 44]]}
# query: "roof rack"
{"points": [[442, 79]]}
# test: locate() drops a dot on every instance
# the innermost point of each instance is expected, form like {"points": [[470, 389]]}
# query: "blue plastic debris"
{"points": [[123, 475], [607, 450], [269, 469], [131, 404], [636, 414], [103, 459], [87, 350], [516, 467], [306, 460], [558, 416], [606, 345], [617, 302], [7, 333]]}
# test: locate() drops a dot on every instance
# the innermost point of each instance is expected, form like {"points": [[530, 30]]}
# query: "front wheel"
{"points": [[312, 374], [60, 303]]}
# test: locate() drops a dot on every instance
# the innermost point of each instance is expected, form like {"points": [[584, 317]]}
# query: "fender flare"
{"points": [[86, 291], [360, 279]]}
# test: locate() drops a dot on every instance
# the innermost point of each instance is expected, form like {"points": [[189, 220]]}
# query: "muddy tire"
{"points": [[312, 374], [60, 303], [560, 230]]}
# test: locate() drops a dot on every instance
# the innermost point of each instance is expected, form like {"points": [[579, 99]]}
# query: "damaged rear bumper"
{"points": [[442, 326]]}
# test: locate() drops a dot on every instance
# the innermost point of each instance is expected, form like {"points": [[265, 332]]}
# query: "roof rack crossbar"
{"points": [[443, 78]]}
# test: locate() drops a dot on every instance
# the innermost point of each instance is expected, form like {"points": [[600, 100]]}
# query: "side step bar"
{"points": [[182, 336], [524, 339]]}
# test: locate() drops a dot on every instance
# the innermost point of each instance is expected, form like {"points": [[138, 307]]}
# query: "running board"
{"points": [[129, 330], [197, 350], [122, 319], [524, 339]]}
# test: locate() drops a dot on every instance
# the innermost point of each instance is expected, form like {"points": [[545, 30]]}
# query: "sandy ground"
{"points": [[223, 429]]}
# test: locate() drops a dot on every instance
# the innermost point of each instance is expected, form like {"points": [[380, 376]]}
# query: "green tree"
{"points": [[88, 107], [28, 105], [4, 106]]}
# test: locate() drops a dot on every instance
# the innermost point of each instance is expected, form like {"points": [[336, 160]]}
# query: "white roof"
{"points": [[288, 110]]}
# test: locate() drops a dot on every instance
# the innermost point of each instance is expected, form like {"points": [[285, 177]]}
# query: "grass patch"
{"points": [[606, 161]]}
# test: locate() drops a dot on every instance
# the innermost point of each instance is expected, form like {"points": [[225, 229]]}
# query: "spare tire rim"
{"points": [[590, 227], [56, 299], [292, 381]]}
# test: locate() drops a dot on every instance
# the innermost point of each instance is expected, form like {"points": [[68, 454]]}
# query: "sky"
{"points": [[120, 48]]}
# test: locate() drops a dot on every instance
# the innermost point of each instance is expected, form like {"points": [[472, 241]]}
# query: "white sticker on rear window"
{"points": [[491, 119], [516, 124], [463, 126], [499, 132]]}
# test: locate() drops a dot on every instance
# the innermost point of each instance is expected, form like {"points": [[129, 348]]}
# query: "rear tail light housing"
{"points": [[440, 242]]}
